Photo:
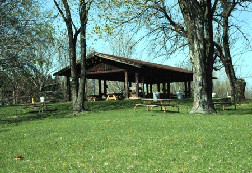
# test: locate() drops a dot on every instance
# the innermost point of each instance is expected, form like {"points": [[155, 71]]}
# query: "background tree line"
{"points": [[27, 47]]}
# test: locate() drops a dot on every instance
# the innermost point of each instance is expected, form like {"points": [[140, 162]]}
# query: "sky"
{"points": [[240, 53]]}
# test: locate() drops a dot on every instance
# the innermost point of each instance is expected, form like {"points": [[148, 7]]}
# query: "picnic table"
{"points": [[113, 96], [91, 98], [23, 107], [156, 103], [223, 102]]}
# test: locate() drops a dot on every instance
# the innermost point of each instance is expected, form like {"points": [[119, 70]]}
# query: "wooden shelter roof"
{"points": [[110, 67]]}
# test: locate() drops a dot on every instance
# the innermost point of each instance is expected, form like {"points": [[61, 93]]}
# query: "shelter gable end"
{"points": [[102, 67]]}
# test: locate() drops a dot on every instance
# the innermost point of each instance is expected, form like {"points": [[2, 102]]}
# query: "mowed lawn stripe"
{"points": [[123, 140]]}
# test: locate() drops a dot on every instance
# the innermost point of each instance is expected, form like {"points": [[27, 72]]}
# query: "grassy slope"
{"points": [[112, 136]]}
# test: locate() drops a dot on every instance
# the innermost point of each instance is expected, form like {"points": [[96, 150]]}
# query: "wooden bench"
{"points": [[224, 104], [138, 105], [112, 97], [42, 105], [148, 106], [151, 106], [91, 98], [20, 109], [38, 108], [164, 106]]}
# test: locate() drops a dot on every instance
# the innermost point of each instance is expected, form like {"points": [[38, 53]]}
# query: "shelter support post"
{"points": [[137, 85], [100, 87], [142, 86], [126, 85], [168, 90], [158, 87], [147, 88], [163, 90], [151, 88], [105, 87], [186, 91]]}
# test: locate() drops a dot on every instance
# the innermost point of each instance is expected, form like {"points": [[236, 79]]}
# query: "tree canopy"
{"points": [[26, 37]]}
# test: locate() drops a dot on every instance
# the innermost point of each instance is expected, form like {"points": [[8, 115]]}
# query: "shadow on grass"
{"points": [[29, 116], [57, 110], [230, 110], [167, 111], [61, 110], [4, 130]]}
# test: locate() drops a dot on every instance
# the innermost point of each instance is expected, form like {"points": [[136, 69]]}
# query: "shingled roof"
{"points": [[128, 61]]}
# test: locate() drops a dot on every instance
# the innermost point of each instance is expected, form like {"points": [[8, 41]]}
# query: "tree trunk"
{"points": [[72, 55], [209, 51], [240, 90], [72, 49], [79, 104], [193, 14], [226, 60]]}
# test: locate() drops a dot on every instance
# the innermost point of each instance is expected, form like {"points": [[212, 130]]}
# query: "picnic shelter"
{"points": [[114, 68]]}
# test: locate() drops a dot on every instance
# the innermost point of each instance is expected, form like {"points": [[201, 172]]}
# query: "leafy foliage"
{"points": [[26, 38]]}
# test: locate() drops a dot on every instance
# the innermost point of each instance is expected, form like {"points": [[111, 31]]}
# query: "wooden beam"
{"points": [[137, 85], [142, 86], [164, 90], [104, 87], [109, 71], [163, 87], [126, 85], [100, 87], [168, 90], [147, 88]]}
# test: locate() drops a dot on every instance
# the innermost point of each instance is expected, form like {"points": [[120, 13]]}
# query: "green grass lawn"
{"points": [[112, 137]]}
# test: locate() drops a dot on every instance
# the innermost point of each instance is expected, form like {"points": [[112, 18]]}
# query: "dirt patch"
{"points": [[13, 117], [82, 112], [69, 115]]}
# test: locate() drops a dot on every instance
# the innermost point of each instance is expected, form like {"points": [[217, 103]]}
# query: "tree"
{"points": [[77, 94], [121, 44], [158, 17], [198, 21], [197, 16], [223, 50], [24, 30], [40, 73], [61, 48]]}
